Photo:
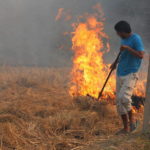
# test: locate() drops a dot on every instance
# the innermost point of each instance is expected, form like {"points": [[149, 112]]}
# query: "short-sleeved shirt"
{"points": [[128, 62]]}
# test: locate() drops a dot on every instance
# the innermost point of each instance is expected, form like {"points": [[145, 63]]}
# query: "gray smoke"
{"points": [[29, 34]]}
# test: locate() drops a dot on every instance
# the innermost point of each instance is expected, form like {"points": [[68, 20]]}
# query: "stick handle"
{"points": [[117, 59], [115, 63]]}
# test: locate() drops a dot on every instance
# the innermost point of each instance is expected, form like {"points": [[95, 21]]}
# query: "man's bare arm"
{"points": [[139, 54]]}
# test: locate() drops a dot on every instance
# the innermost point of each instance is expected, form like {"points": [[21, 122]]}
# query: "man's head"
{"points": [[123, 29]]}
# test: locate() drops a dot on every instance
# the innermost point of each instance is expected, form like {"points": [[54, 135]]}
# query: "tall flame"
{"points": [[89, 72], [89, 44]]}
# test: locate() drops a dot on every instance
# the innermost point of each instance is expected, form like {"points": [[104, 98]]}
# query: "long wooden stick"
{"points": [[113, 68], [115, 64]]}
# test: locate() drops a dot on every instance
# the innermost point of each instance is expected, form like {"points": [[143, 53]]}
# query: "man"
{"points": [[132, 53]]}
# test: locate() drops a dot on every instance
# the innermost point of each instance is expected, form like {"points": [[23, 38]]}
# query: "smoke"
{"points": [[29, 34]]}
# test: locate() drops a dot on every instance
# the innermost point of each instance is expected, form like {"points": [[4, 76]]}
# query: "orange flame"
{"points": [[89, 71], [63, 14], [59, 14], [90, 43]]}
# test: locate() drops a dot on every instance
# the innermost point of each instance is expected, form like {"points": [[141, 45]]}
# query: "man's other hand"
{"points": [[113, 66]]}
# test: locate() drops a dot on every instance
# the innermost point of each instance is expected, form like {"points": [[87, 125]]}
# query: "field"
{"points": [[36, 113]]}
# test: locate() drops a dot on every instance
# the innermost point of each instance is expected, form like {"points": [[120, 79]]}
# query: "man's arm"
{"points": [[139, 54]]}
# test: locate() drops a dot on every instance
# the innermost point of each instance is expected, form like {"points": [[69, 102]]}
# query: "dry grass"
{"points": [[36, 112]]}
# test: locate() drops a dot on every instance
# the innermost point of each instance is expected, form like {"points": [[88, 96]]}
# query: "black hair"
{"points": [[123, 26]]}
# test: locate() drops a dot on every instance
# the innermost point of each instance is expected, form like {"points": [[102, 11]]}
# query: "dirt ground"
{"points": [[36, 113]]}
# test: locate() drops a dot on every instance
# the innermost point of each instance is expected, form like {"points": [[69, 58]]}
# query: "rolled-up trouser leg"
{"points": [[125, 87]]}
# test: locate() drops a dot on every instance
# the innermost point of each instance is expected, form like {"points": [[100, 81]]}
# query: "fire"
{"points": [[63, 14], [90, 43], [89, 72], [140, 89], [59, 14]]}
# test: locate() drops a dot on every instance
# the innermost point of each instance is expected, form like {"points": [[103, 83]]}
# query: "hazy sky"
{"points": [[29, 34]]}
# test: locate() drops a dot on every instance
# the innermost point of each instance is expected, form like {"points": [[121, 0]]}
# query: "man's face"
{"points": [[123, 35]]}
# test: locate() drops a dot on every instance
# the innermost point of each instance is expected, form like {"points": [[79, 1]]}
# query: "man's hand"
{"points": [[124, 47], [113, 66]]}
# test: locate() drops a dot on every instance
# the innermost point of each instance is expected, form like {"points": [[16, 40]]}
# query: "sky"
{"points": [[29, 34]]}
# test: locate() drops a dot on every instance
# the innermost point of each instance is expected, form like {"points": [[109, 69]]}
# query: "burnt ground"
{"points": [[36, 113]]}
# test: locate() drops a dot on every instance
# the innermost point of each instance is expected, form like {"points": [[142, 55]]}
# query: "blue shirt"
{"points": [[128, 62]]}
